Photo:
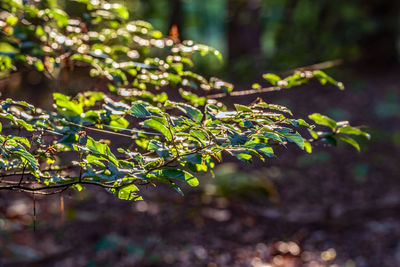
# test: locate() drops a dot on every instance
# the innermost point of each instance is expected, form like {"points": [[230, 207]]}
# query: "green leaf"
{"points": [[272, 78], [78, 187], [118, 122], [22, 140], [93, 159], [18, 121], [243, 108], [243, 155], [307, 146], [190, 111], [26, 156], [66, 106], [349, 141], [129, 192], [102, 150], [38, 65], [160, 125], [60, 16], [159, 148], [295, 138], [275, 107], [323, 120], [178, 174], [324, 78], [69, 140], [270, 134], [194, 158], [199, 135], [353, 131], [7, 49], [20, 103], [176, 187], [313, 134], [139, 110], [39, 31], [121, 11], [302, 122], [84, 58], [11, 20], [193, 98], [236, 138], [263, 148]]}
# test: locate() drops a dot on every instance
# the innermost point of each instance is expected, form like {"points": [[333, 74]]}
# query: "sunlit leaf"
{"points": [[323, 120], [160, 125]]}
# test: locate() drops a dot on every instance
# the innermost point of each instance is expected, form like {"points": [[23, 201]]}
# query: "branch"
{"points": [[246, 92], [44, 170], [318, 66], [67, 185]]}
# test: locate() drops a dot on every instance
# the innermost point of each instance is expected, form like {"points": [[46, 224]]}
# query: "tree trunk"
{"points": [[176, 15], [379, 49], [244, 29]]}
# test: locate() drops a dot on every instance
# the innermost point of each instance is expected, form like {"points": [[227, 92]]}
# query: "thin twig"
{"points": [[22, 175], [58, 186], [34, 211], [318, 66], [109, 132], [245, 92]]}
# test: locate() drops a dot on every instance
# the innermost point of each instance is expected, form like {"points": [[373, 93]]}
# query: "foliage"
{"points": [[154, 139]]}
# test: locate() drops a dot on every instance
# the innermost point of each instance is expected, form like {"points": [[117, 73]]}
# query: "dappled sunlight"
{"points": [[199, 133]]}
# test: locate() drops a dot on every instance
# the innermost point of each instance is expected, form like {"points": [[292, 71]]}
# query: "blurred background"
{"points": [[335, 207]]}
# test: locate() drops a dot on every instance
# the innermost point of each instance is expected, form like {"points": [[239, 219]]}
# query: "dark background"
{"points": [[283, 34], [335, 207]]}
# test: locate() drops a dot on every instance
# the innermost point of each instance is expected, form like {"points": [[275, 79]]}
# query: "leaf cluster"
{"points": [[147, 138]]}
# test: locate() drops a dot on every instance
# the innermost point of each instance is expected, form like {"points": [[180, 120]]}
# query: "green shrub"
{"points": [[166, 141]]}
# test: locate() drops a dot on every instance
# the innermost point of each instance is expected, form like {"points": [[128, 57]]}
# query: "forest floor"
{"points": [[335, 207]]}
